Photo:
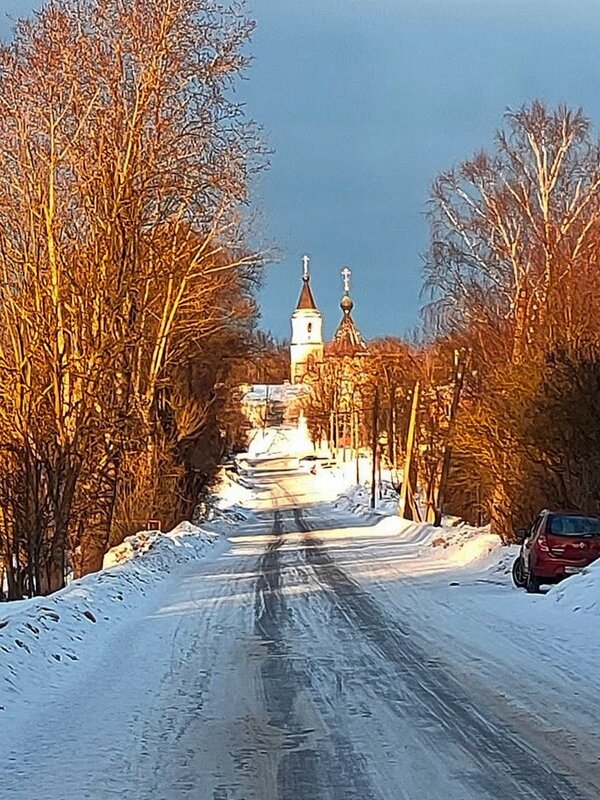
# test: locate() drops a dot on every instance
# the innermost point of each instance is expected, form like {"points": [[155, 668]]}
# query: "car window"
{"points": [[573, 525]]}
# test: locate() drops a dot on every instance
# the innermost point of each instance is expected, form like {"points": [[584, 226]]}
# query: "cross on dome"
{"points": [[346, 274]]}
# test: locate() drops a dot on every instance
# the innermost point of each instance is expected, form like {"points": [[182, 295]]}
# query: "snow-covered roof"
{"points": [[278, 393]]}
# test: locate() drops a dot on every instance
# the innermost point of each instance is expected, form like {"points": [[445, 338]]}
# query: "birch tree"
{"points": [[511, 229], [512, 267]]}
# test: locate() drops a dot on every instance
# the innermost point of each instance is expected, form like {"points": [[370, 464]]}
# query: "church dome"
{"points": [[347, 304], [347, 339]]}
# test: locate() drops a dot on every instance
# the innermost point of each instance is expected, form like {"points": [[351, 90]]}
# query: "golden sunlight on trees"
{"points": [[513, 270], [125, 274]]}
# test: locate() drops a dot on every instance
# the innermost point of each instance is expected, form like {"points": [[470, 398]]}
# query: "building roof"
{"points": [[306, 299]]}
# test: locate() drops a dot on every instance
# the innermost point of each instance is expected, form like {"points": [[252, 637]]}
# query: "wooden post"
{"points": [[331, 434], [354, 438], [352, 431], [431, 501], [266, 409], [393, 444], [374, 446], [410, 441], [356, 443], [336, 423], [459, 377]]}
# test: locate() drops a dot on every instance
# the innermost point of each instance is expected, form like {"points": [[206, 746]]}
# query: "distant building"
{"points": [[334, 371], [307, 349], [271, 405], [327, 375]]}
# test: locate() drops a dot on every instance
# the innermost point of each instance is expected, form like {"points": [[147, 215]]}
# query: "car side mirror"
{"points": [[522, 534]]}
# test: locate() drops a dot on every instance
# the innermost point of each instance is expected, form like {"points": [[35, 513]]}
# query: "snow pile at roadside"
{"points": [[229, 502], [232, 494], [46, 637], [357, 500], [580, 592], [455, 544], [462, 544], [162, 551]]}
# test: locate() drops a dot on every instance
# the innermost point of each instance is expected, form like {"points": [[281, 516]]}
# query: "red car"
{"points": [[557, 545]]}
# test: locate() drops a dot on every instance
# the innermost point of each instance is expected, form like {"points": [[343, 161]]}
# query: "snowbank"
{"points": [[233, 495], [162, 551], [41, 641], [462, 544], [357, 499], [455, 544], [580, 592]]}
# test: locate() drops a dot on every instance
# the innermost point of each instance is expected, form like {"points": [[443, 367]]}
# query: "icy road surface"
{"points": [[313, 659]]}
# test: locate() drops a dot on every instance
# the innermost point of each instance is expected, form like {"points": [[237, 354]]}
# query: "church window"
{"points": [[310, 327]]}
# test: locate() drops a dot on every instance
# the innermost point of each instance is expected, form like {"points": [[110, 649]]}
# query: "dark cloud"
{"points": [[365, 102]]}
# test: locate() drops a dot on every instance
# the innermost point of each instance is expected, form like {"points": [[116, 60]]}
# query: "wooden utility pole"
{"points": [[393, 444], [331, 434], [374, 444], [266, 409], [410, 442], [355, 441], [459, 378]]}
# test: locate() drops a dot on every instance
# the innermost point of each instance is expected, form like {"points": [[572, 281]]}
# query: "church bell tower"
{"points": [[306, 349]]}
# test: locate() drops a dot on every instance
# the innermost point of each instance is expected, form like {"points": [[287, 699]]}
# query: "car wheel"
{"points": [[518, 573], [532, 583]]}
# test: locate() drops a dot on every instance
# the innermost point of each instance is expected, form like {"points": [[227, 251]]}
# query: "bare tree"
{"points": [[124, 174], [512, 266]]}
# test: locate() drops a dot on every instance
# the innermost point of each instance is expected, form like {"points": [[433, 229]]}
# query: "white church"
{"points": [[308, 351], [307, 346]]}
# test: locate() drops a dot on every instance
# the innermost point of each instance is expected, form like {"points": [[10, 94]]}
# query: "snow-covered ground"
{"points": [[534, 656], [319, 649], [42, 639]]}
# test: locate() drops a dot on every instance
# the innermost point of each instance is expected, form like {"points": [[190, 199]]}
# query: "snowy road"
{"points": [[290, 667]]}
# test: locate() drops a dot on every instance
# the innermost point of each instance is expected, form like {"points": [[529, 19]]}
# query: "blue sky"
{"points": [[364, 103]]}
